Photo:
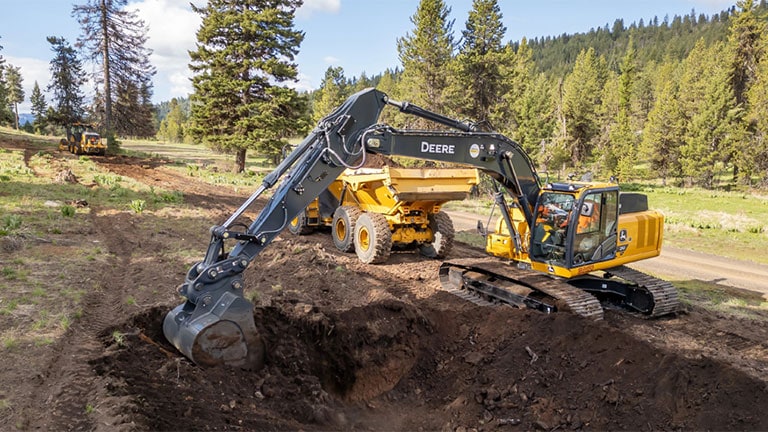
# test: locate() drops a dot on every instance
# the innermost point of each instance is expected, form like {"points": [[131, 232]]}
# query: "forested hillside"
{"points": [[677, 98]]}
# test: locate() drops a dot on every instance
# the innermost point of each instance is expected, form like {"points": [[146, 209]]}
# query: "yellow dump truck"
{"points": [[372, 210]]}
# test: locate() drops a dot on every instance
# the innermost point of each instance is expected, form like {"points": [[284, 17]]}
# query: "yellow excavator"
{"points": [[564, 244]]}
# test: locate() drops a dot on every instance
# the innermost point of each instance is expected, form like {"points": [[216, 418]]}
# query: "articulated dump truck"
{"points": [[373, 210]]}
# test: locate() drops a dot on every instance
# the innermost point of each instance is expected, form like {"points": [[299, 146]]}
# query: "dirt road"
{"points": [[676, 264]]}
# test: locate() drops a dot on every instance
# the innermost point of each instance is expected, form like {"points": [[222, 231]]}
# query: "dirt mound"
{"points": [[380, 161], [344, 353]]}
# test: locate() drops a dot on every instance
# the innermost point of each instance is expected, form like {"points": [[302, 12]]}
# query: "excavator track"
{"points": [[665, 298], [486, 282]]}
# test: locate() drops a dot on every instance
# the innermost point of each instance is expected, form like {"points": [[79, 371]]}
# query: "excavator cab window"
{"points": [[550, 231], [595, 233], [570, 232]]}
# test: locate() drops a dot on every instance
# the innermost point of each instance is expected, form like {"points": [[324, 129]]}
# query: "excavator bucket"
{"points": [[213, 333]]}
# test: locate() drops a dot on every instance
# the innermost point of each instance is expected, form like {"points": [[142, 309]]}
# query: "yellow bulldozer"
{"points": [[83, 139]]}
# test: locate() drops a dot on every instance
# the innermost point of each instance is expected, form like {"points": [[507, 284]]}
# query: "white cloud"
{"points": [[172, 29], [180, 84], [304, 83], [311, 6], [330, 60]]}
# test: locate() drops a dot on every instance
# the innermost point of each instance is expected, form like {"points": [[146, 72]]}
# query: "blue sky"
{"points": [[358, 35]]}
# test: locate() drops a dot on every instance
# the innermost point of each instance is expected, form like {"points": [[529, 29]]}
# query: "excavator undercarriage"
{"points": [[488, 281]]}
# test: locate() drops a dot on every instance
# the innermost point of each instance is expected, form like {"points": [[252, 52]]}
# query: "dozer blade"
{"points": [[485, 281], [216, 333]]}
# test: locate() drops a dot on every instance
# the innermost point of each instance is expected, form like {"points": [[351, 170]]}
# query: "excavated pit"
{"points": [[385, 366], [315, 364]]}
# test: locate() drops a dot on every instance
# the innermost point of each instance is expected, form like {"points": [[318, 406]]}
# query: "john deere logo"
{"points": [[474, 151]]}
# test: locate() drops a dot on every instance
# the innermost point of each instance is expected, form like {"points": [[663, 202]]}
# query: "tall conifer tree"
{"points": [[14, 82], [580, 102], [332, 92], [425, 54], [242, 64], [663, 133], [621, 154], [478, 80], [745, 43], [757, 151], [5, 112], [66, 80], [115, 39], [39, 106], [709, 106]]}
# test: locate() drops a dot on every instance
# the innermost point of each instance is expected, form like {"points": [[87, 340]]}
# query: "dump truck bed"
{"points": [[414, 184]]}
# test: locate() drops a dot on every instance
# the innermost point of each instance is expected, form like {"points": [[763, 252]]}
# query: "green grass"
{"points": [[724, 299], [728, 224]]}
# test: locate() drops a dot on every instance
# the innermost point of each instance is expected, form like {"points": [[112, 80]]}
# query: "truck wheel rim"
{"points": [[341, 230], [365, 239]]}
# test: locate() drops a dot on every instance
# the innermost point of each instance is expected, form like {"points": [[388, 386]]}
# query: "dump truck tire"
{"points": [[373, 239], [298, 226], [442, 228], [343, 227]]}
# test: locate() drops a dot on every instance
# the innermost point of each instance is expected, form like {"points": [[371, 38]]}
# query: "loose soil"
{"points": [[361, 347]]}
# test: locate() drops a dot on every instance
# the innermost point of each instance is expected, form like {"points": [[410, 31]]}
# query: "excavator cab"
{"points": [[575, 225]]}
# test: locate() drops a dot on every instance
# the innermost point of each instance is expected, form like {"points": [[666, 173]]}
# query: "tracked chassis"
{"points": [[486, 282]]}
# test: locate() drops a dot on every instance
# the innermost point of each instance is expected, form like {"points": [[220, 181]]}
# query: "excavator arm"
{"points": [[215, 324]]}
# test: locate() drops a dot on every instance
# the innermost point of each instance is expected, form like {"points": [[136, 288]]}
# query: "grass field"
{"points": [[729, 224]]}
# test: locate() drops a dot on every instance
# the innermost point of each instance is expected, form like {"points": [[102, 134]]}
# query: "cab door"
{"points": [[593, 230]]}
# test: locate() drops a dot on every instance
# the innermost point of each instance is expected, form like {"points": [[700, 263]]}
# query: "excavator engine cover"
{"points": [[216, 333]]}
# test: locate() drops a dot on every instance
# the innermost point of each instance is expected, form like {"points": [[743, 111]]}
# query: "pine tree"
{"points": [[115, 40], [332, 92], [581, 99], [14, 82], [623, 144], [746, 31], [477, 76], [244, 54], [172, 126], [389, 85], [744, 38], [709, 107], [518, 77], [425, 53], [5, 113], [535, 119], [663, 134], [39, 108], [757, 152], [67, 78]]}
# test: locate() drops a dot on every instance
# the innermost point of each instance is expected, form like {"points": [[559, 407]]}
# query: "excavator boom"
{"points": [[215, 324]]}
